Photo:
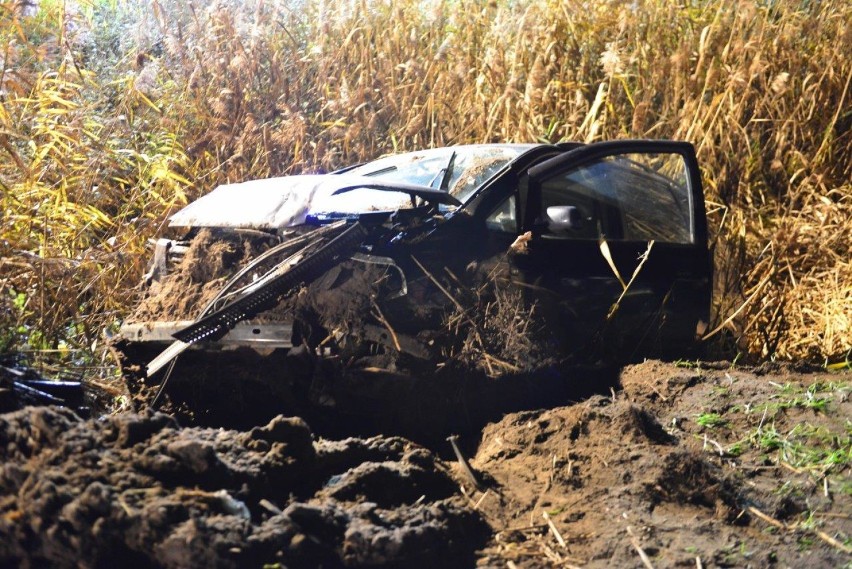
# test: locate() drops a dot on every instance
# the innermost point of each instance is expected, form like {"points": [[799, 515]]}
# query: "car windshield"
{"points": [[273, 203], [460, 169]]}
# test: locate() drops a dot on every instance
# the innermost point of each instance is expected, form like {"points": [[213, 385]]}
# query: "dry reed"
{"points": [[114, 113]]}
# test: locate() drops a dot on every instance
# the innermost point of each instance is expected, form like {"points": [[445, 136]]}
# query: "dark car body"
{"points": [[604, 245]]}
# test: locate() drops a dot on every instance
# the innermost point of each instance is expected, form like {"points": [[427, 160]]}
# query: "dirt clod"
{"points": [[138, 490]]}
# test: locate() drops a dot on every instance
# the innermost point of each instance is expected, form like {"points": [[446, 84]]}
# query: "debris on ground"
{"points": [[21, 385]]}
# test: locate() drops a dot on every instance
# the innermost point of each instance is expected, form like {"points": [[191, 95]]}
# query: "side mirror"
{"points": [[563, 217]]}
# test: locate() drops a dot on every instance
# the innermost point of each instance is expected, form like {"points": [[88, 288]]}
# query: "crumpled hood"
{"points": [[276, 203]]}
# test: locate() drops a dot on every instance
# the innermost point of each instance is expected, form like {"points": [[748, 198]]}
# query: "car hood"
{"points": [[277, 203]]}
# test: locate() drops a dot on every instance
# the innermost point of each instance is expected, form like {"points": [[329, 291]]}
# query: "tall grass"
{"points": [[113, 115]]}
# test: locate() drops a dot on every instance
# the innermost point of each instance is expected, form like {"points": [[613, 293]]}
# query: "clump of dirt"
{"points": [[338, 304], [210, 259], [137, 490]]}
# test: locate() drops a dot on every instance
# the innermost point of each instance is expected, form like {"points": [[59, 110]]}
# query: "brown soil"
{"points": [[138, 491], [620, 476], [211, 259], [635, 471]]}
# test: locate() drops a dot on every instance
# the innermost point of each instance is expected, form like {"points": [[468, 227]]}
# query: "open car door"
{"points": [[618, 258]]}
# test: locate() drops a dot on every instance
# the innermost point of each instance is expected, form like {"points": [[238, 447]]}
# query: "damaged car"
{"points": [[501, 260]]}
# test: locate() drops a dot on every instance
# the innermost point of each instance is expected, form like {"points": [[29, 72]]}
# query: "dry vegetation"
{"points": [[113, 113]]}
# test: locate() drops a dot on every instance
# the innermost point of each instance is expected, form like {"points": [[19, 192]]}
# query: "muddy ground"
{"points": [[677, 465]]}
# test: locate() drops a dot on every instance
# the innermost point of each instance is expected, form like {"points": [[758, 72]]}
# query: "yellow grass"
{"points": [[114, 113]]}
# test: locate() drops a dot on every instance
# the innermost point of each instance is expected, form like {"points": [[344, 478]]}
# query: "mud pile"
{"points": [[139, 491], [635, 474], [601, 471], [707, 466]]}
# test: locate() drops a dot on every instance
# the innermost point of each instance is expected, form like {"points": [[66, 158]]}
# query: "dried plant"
{"points": [[114, 113]]}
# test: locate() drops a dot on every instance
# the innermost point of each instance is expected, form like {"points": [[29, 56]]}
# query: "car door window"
{"points": [[629, 197]]}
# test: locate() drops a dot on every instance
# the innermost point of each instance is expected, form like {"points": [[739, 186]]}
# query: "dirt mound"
{"points": [[689, 465], [137, 490], [720, 465]]}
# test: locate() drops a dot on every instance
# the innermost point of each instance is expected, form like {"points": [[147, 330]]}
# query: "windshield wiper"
{"points": [[448, 173], [444, 173]]}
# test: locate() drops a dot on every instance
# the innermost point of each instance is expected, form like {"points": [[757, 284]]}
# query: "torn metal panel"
{"points": [[389, 263]]}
